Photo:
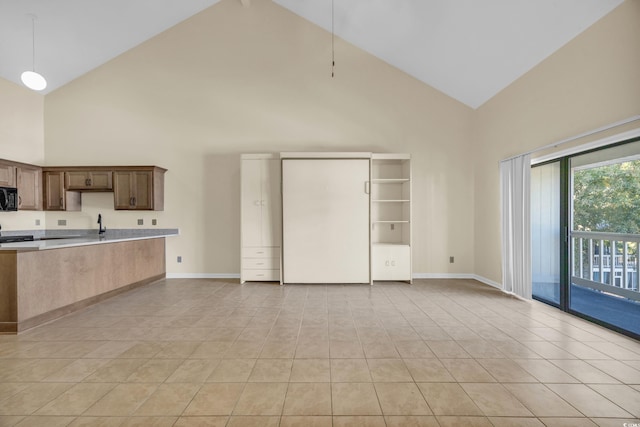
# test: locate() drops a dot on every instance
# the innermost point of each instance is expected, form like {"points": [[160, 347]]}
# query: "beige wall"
{"points": [[234, 80], [22, 140], [592, 81]]}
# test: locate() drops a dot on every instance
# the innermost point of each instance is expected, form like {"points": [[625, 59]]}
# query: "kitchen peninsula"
{"points": [[52, 276]]}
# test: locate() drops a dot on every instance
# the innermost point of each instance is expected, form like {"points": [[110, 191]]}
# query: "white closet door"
{"points": [[325, 220], [251, 193], [272, 204]]}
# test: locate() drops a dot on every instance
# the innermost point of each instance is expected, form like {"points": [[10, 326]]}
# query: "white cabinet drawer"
{"points": [[261, 252], [391, 262], [261, 275], [261, 263]]}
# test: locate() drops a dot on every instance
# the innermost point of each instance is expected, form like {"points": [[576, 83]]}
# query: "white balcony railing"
{"points": [[606, 261]]}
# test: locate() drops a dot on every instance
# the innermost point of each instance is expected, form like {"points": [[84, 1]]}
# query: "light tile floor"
{"points": [[214, 353]]}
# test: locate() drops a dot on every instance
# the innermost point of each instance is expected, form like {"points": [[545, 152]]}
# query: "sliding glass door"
{"points": [[605, 232], [545, 232], [585, 233]]}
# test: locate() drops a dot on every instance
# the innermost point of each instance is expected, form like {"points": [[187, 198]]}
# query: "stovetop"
{"points": [[12, 239]]}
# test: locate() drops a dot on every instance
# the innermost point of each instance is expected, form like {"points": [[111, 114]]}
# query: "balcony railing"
{"points": [[606, 261]]}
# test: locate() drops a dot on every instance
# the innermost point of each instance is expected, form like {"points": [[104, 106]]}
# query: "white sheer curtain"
{"points": [[515, 184]]}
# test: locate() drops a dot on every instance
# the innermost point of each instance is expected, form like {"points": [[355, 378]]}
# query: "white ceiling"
{"points": [[468, 49]]}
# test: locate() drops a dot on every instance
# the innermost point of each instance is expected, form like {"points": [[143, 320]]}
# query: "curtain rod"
{"points": [[582, 135]]}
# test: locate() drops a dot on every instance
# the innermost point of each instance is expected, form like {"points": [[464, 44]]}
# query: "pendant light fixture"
{"points": [[31, 79]]}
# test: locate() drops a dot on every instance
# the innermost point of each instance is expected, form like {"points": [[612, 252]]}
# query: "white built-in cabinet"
{"points": [[261, 218], [391, 217], [326, 217]]}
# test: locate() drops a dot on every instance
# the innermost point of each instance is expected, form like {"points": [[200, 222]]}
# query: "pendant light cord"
{"points": [[333, 56], [33, 42]]}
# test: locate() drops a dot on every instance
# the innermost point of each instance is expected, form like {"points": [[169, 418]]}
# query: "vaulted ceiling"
{"points": [[468, 49]]}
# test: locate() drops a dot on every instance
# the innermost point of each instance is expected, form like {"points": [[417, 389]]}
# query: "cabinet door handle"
{"points": [[19, 201], [60, 201], [134, 201], [366, 187]]}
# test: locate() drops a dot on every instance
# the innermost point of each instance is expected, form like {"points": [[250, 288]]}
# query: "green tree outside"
{"points": [[607, 198]]}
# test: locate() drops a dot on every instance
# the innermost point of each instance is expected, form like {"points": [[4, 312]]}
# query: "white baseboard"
{"points": [[415, 276], [457, 276], [443, 276], [203, 275], [487, 281]]}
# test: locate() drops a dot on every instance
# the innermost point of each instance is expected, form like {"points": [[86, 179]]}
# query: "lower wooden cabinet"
{"points": [[56, 197], [29, 181]]}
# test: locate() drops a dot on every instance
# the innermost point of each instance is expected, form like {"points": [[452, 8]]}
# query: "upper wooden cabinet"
{"points": [[29, 181], [139, 188], [56, 198], [7, 175], [89, 180], [134, 187], [60, 187]]}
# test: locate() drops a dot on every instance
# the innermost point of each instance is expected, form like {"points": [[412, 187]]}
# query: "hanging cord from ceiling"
{"points": [[33, 42], [333, 55]]}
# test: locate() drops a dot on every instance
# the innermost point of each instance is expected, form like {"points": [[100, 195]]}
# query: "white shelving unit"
{"points": [[391, 217]]}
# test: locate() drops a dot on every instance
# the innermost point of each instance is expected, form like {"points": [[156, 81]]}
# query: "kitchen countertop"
{"points": [[70, 238]]}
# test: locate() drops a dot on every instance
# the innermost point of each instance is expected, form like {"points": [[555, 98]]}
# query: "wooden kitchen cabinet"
{"points": [[139, 188], [29, 188], [89, 180], [7, 175], [56, 198]]}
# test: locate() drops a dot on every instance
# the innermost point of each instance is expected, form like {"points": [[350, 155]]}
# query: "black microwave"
{"points": [[8, 199]]}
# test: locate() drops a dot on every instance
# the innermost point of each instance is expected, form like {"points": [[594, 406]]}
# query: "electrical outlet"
{"points": [[141, 222], [154, 222], [179, 259], [37, 222], [62, 222], [450, 260]]}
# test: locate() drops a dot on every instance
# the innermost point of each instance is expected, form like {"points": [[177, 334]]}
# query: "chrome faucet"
{"points": [[101, 230]]}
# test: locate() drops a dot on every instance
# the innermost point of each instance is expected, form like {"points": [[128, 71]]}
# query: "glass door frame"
{"points": [[565, 240]]}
